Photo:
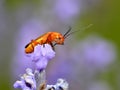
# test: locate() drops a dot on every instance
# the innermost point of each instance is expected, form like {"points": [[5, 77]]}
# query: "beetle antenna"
{"points": [[67, 31], [68, 34]]}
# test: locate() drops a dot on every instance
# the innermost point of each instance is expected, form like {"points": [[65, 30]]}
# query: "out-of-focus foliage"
{"points": [[105, 17], [14, 5]]}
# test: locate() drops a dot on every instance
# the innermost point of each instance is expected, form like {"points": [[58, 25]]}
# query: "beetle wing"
{"points": [[43, 39]]}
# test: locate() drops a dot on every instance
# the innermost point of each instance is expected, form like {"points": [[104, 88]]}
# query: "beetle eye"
{"points": [[59, 38]]}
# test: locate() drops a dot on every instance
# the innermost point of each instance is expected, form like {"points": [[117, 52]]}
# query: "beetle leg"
{"points": [[52, 46], [43, 45]]}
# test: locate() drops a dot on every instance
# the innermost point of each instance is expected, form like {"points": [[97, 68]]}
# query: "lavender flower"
{"points": [[41, 55], [60, 85], [37, 81], [27, 81]]}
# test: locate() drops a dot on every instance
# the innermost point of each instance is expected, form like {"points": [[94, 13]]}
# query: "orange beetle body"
{"points": [[50, 38], [47, 38]]}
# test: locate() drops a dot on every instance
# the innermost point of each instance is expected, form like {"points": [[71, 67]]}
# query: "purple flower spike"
{"points": [[60, 85], [27, 81], [41, 55]]}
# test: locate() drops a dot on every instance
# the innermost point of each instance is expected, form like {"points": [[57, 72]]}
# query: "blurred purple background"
{"points": [[89, 60]]}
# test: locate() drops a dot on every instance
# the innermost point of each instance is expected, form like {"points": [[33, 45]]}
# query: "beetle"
{"points": [[51, 38]]}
